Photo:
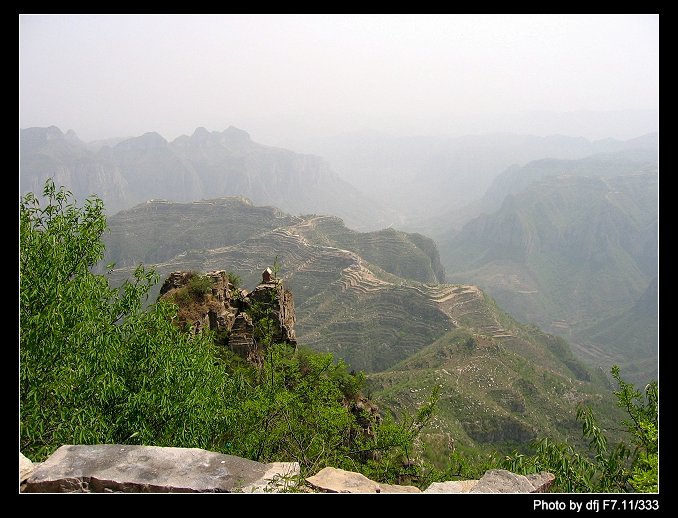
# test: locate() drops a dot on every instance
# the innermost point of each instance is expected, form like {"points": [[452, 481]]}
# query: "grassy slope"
{"points": [[496, 393]]}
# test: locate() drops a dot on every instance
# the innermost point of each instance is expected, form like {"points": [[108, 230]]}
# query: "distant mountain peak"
{"points": [[150, 140], [200, 133], [40, 135], [202, 136], [206, 164], [234, 134]]}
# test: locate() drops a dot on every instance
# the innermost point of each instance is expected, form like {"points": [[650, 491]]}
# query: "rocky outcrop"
{"points": [[271, 295], [502, 481], [232, 312], [241, 339], [333, 480], [113, 468], [366, 414], [26, 467], [452, 486], [116, 468]]}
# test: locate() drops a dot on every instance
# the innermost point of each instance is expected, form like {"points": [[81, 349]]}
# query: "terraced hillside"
{"points": [[495, 391], [503, 383], [156, 231], [348, 305], [345, 304]]}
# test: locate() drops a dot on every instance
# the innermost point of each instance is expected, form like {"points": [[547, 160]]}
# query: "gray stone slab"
{"points": [[26, 467], [278, 478], [335, 480], [452, 486], [541, 482], [153, 469], [502, 481], [395, 488]]}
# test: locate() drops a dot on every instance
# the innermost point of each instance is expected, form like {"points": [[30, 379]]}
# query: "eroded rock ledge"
{"points": [[116, 468]]}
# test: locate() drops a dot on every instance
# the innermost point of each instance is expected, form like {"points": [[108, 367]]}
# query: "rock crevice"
{"points": [[212, 302]]}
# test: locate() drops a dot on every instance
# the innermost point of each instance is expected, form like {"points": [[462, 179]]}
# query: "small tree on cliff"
{"points": [[276, 267]]}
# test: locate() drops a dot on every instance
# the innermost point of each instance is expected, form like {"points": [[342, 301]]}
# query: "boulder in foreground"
{"points": [[111, 468], [502, 481], [334, 480]]}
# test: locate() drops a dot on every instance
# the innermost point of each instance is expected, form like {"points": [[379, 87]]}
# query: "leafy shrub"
{"points": [[235, 280], [618, 468], [94, 367], [199, 286]]}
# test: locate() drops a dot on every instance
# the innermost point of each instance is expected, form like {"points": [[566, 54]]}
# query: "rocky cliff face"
{"points": [[272, 295], [212, 302]]}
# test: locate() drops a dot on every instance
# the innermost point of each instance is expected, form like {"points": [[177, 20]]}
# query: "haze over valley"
{"points": [[467, 202]]}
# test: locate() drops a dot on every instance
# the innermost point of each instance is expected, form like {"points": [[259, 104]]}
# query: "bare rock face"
{"points": [[175, 281], [334, 480], [273, 295], [502, 481], [453, 486], [223, 309], [110, 468], [26, 467], [241, 340], [541, 482], [210, 310]]}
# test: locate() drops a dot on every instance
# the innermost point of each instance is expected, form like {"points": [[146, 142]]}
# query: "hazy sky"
{"points": [[285, 77]]}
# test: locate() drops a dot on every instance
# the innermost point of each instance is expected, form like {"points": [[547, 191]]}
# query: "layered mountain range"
{"points": [[572, 246], [206, 164], [430, 182], [565, 237]]}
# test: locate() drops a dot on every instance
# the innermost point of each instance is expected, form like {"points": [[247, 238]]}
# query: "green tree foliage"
{"points": [[95, 367], [276, 267], [393, 443], [642, 424], [619, 468]]}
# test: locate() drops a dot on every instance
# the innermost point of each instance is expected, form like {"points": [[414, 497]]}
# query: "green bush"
{"points": [[235, 280], [199, 286], [94, 367], [606, 468]]}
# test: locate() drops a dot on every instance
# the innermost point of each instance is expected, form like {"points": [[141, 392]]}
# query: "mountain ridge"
{"points": [[188, 168], [570, 245], [429, 178]]}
